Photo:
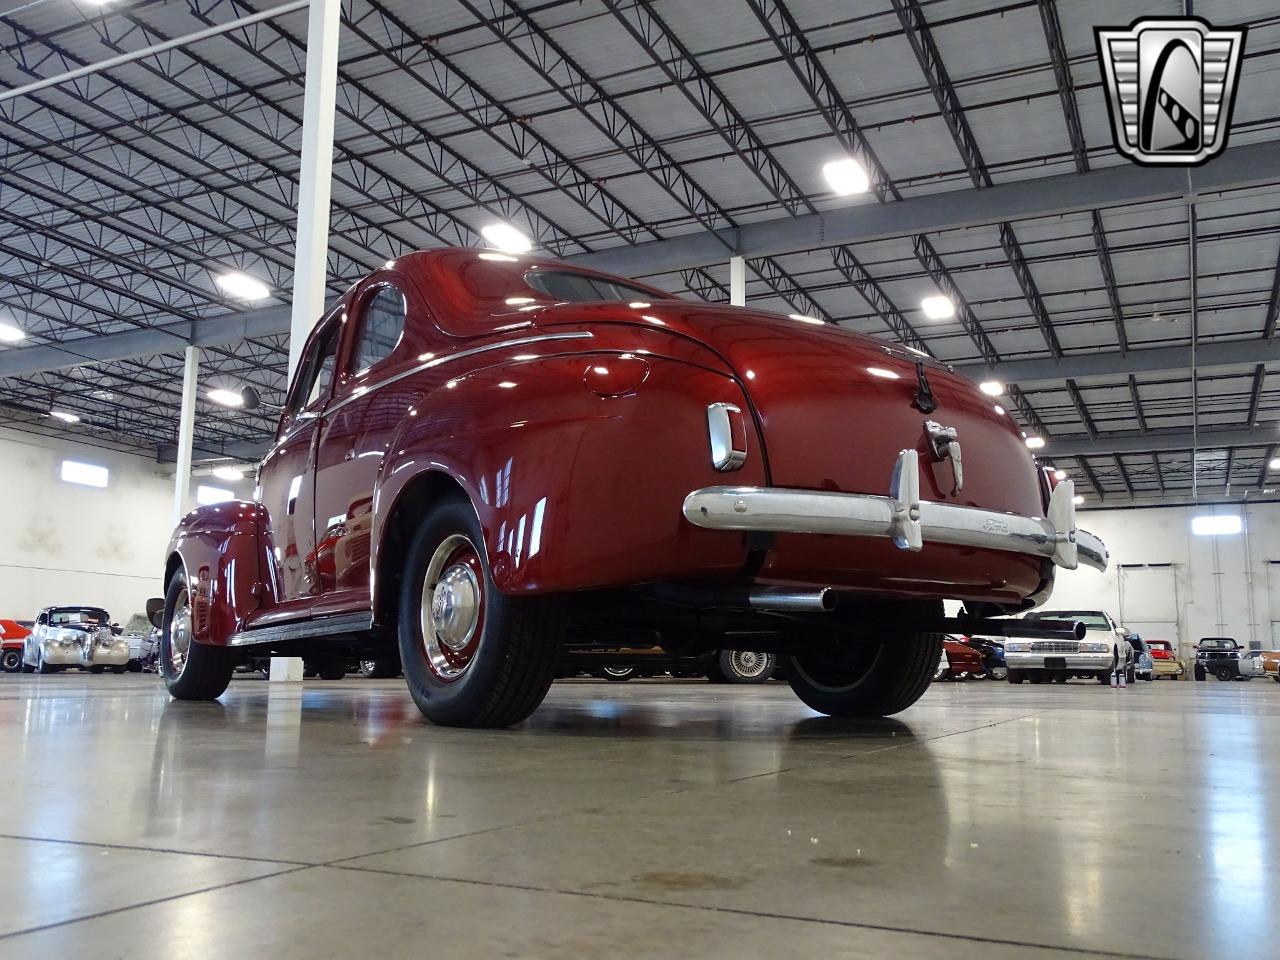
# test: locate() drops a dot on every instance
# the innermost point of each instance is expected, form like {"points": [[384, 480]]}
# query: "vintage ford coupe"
{"points": [[74, 636], [484, 461]]}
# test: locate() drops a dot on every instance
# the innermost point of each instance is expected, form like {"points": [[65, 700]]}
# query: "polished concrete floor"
{"points": [[647, 819]]}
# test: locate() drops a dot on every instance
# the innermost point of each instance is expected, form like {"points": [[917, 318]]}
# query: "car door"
{"points": [[390, 335], [286, 478]]}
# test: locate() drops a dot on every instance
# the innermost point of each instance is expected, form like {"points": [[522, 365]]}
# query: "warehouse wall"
{"points": [[66, 543], [1165, 581]]}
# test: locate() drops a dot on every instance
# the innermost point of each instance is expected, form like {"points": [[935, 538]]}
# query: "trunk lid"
{"points": [[835, 407]]}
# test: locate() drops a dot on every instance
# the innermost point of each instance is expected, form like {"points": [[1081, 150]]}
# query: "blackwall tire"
{"points": [[43, 668], [618, 674], [11, 661], [746, 666], [1223, 673], [1200, 672], [868, 679], [191, 670], [1014, 676], [380, 668], [333, 670], [472, 657]]}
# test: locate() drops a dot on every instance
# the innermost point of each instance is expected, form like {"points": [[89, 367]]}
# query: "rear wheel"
{"points": [[1060, 678], [191, 670], [1015, 676], [97, 668], [1200, 671], [11, 661], [331, 670], [870, 678], [472, 657], [1223, 673], [746, 666], [380, 668]]}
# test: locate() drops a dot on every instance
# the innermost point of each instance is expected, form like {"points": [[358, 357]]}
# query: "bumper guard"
{"points": [[901, 517]]}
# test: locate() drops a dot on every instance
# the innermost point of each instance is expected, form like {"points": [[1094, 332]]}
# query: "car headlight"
{"points": [[1017, 646], [1093, 647]]}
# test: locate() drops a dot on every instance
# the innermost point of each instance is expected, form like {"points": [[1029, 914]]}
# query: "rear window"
{"points": [[569, 287], [1091, 619]]}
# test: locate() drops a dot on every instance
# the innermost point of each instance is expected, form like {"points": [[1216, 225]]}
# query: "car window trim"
{"points": [[366, 298]]}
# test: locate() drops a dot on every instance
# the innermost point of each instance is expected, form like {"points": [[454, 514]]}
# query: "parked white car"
{"points": [[74, 636], [1104, 649]]}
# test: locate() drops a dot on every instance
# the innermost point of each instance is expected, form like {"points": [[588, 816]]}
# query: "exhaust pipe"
{"points": [[803, 601]]}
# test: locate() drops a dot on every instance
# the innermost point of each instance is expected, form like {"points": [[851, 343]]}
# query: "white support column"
{"points": [[738, 281], [186, 433], [310, 259]]}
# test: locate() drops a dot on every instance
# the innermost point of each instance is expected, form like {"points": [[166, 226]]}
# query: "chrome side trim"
{"points": [[902, 517], [300, 629], [461, 354]]}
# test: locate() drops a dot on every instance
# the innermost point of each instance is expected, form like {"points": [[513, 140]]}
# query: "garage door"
{"points": [[1149, 604], [1273, 601]]}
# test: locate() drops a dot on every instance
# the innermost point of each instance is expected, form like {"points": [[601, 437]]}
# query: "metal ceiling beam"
{"points": [[1106, 444], [1137, 404], [1248, 165], [1066, 85], [1109, 280]]}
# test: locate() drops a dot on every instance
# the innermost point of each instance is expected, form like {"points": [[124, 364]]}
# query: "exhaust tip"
{"points": [[828, 599]]}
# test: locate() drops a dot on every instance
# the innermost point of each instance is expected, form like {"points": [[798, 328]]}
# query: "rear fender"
{"points": [[574, 490], [223, 549]]}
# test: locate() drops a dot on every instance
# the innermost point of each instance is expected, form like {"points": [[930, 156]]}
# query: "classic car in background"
{"points": [[1143, 661], [12, 633], [1225, 659], [1103, 651], [144, 640], [992, 650], [74, 636], [1251, 665], [1165, 661], [483, 459], [959, 661], [1271, 664]]}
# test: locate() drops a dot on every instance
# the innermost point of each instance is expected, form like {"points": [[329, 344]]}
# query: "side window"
{"points": [[316, 368], [380, 331]]}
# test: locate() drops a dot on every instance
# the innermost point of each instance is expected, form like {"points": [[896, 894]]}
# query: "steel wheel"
{"points": [[453, 606], [180, 634]]}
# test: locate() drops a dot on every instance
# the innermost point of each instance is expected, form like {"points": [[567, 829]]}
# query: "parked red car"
{"points": [[485, 460], [12, 634]]}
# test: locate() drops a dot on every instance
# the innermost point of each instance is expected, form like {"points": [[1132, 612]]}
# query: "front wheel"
{"points": [[746, 666], [1015, 676], [869, 678], [191, 670], [1223, 673], [332, 670], [11, 661], [380, 668], [472, 657]]}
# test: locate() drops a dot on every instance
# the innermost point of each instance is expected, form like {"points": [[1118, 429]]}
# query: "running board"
{"points": [[303, 629]]}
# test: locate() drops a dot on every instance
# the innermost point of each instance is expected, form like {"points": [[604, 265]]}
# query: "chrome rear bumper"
{"points": [[901, 517]]}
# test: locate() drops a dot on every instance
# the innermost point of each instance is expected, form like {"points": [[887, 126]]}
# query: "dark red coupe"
{"points": [[485, 461]]}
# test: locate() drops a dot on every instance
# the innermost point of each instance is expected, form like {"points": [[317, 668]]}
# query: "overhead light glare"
{"points": [[938, 307], [998, 409], [228, 473], [882, 373], [1035, 443], [64, 416], [992, 388], [504, 237], [11, 334], [499, 257], [85, 474], [846, 177], [225, 398], [638, 304], [242, 286], [516, 301], [803, 319], [1216, 525], [206, 495], [1059, 474], [1274, 464], [1077, 499]]}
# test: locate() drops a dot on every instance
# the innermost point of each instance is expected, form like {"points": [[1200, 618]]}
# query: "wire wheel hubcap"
{"points": [[453, 604], [748, 663], [180, 633]]}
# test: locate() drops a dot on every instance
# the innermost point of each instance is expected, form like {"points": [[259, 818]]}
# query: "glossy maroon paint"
{"points": [[576, 430], [962, 658]]}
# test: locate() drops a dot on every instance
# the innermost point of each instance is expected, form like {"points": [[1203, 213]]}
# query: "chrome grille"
{"points": [[1055, 646]]}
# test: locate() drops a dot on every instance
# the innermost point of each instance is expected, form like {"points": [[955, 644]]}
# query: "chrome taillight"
{"points": [[728, 432]]}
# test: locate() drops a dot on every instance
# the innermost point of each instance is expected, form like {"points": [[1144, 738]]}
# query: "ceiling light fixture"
{"points": [[226, 398], [1274, 464], [64, 416], [1035, 443], [11, 334], [938, 307], [242, 286], [1059, 474], [228, 473], [846, 177], [992, 388], [1077, 499], [504, 237]]}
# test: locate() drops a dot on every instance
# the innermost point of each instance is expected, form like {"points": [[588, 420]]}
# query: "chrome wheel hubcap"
{"points": [[180, 633], [748, 663], [452, 607]]}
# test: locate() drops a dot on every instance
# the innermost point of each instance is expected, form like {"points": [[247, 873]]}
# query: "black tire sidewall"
{"points": [[208, 669]]}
